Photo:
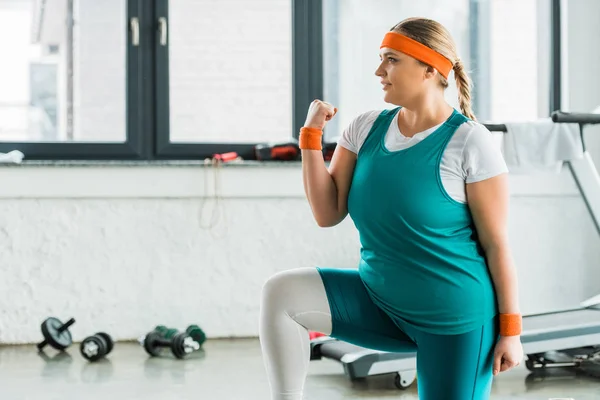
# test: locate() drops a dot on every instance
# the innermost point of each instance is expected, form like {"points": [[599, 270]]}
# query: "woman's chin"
{"points": [[389, 98]]}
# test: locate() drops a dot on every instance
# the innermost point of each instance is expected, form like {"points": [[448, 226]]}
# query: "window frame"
{"points": [[147, 124], [132, 147], [555, 89]]}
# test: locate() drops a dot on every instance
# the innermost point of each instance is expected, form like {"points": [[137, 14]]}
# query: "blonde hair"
{"points": [[435, 36]]}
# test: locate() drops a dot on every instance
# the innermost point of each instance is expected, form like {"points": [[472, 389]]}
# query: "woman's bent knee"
{"points": [[299, 294], [275, 288], [291, 284]]}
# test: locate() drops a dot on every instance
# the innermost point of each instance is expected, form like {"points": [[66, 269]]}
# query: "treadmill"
{"points": [[359, 362], [567, 338]]}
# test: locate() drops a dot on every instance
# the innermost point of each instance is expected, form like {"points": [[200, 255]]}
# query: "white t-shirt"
{"points": [[470, 156]]}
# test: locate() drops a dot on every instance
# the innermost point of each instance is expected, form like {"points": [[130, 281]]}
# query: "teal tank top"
{"points": [[420, 259]]}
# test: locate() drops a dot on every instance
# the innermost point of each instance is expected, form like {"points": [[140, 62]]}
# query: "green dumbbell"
{"points": [[160, 329], [196, 333], [165, 332], [169, 333]]}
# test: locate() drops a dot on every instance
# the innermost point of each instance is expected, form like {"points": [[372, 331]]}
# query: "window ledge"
{"points": [[195, 179], [149, 163]]}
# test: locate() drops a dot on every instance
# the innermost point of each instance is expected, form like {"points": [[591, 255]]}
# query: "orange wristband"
{"points": [[510, 324], [310, 139]]}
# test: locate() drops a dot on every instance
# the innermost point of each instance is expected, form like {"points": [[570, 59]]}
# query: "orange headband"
{"points": [[396, 41]]}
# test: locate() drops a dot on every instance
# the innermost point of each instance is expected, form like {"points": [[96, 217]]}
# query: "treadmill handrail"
{"points": [[573, 117], [558, 117]]}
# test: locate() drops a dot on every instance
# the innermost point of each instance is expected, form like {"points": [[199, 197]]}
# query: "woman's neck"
{"points": [[423, 115]]}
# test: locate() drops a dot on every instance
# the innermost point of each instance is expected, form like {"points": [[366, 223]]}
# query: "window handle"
{"points": [[135, 31], [162, 27]]}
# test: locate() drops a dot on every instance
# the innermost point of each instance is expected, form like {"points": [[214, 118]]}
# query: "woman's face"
{"points": [[402, 77]]}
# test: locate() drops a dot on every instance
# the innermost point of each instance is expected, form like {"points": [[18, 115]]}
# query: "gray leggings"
{"points": [[293, 302]]}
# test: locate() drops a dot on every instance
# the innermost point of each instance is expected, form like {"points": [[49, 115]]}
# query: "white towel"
{"points": [[13, 157], [540, 145]]}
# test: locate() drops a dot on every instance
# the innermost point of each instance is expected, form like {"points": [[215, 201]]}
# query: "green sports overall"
{"points": [[422, 282]]}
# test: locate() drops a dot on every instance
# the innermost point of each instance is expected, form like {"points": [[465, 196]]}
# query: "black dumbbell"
{"points": [[56, 334], [97, 346], [180, 344]]}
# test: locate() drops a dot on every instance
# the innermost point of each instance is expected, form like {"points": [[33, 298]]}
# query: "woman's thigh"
{"points": [[455, 367], [356, 319]]}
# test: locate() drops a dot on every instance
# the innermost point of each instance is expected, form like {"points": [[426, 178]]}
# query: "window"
{"points": [[185, 79], [230, 77], [225, 75], [519, 61], [581, 82], [505, 46], [129, 79], [63, 79], [353, 32]]}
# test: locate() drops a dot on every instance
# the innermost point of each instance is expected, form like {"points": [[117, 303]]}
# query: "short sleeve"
{"points": [[348, 139], [482, 156], [356, 132]]}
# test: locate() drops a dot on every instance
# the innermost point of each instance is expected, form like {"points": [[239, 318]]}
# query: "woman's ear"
{"points": [[430, 72]]}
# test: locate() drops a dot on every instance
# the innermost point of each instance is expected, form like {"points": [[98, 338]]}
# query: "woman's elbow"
{"points": [[328, 221], [495, 246]]}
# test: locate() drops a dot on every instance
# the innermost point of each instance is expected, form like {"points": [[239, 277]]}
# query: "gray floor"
{"points": [[226, 370]]}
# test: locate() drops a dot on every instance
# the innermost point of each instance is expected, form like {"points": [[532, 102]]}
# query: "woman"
{"points": [[427, 190]]}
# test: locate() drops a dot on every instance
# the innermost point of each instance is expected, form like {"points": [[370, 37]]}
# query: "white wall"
{"points": [[127, 252], [120, 248], [124, 248]]}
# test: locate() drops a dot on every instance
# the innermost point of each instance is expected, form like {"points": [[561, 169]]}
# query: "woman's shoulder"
{"points": [[472, 131], [355, 133], [480, 154]]}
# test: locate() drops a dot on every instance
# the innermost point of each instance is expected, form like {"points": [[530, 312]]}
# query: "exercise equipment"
{"points": [[359, 362], [313, 335], [56, 334], [165, 332], [563, 338], [97, 346], [591, 365], [197, 334], [181, 344], [194, 331], [277, 151], [226, 157], [568, 338]]}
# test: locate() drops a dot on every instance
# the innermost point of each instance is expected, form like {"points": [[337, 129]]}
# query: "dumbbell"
{"points": [[97, 346], [193, 330], [181, 344], [56, 334], [165, 332], [196, 333]]}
